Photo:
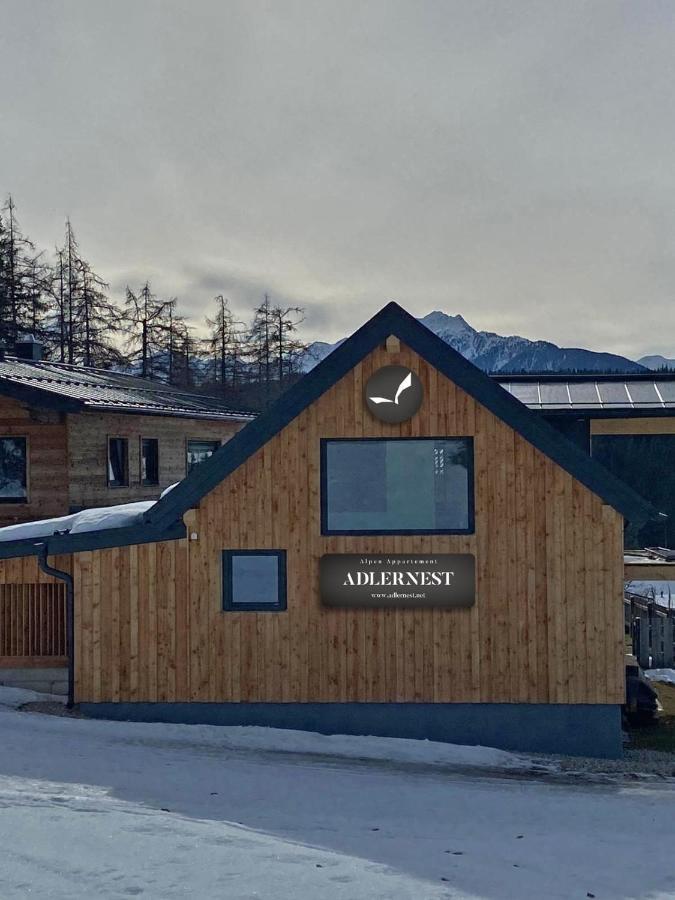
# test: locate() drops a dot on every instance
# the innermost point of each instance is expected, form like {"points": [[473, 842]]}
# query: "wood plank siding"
{"points": [[47, 454], [67, 456], [547, 625], [636, 425], [88, 435]]}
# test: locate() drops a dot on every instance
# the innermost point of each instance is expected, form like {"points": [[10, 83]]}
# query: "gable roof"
{"points": [[76, 389], [393, 319], [163, 521]]}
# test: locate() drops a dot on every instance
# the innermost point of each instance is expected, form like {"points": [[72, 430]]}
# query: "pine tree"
{"points": [[288, 347], [158, 341], [23, 281], [260, 346], [87, 328], [225, 345]]}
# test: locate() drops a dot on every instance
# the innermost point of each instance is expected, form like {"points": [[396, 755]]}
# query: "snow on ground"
{"points": [[16, 697], [109, 809], [663, 592], [665, 675]]}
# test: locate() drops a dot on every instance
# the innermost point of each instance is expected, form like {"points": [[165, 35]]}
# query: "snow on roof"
{"points": [[96, 519]]}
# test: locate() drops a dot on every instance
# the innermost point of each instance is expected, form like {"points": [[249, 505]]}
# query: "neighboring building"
{"points": [[626, 422], [453, 572], [74, 437]]}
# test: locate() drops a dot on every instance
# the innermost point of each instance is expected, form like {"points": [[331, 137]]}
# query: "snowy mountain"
{"points": [[497, 353], [657, 362]]}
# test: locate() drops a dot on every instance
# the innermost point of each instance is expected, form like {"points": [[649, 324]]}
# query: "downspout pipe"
{"points": [[67, 578]]}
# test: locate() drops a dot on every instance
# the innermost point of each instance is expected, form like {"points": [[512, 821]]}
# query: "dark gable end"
{"points": [[393, 319]]}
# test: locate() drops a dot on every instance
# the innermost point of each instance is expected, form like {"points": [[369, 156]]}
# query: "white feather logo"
{"points": [[403, 386]]}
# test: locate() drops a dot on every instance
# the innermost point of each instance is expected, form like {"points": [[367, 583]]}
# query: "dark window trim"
{"points": [[471, 528], [143, 482], [109, 484], [194, 440], [229, 605], [19, 501]]}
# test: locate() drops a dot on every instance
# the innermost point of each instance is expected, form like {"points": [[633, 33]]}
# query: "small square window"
{"points": [[13, 470], [149, 461], [254, 580], [118, 462], [198, 451]]}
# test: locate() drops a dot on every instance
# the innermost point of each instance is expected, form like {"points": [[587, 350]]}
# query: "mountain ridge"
{"points": [[507, 354]]}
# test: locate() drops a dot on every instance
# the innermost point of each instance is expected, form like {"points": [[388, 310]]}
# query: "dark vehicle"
{"points": [[642, 704]]}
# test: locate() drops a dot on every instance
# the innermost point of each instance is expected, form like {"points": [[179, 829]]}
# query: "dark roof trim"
{"points": [[38, 397], [392, 319], [525, 377], [91, 540], [591, 413], [213, 416]]}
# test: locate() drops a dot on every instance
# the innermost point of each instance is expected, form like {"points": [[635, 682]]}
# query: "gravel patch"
{"points": [[50, 708], [636, 764]]}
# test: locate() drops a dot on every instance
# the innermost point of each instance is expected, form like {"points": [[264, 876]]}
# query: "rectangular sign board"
{"points": [[399, 580]]}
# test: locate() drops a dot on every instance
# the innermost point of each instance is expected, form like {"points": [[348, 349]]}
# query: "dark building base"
{"points": [[575, 729]]}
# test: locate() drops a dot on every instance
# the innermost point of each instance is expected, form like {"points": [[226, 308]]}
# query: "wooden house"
{"points": [[397, 547], [74, 437]]}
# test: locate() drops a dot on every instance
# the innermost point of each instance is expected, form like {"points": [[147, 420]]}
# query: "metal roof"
{"points": [[643, 391], [76, 389]]}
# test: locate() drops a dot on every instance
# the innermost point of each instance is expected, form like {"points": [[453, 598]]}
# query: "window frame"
{"points": [[127, 483], [141, 480], [227, 587], [471, 524], [189, 440], [19, 501]]}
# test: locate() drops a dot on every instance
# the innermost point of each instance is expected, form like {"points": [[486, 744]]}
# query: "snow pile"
{"points": [[282, 740], [665, 675], [345, 746], [87, 520], [13, 698]]}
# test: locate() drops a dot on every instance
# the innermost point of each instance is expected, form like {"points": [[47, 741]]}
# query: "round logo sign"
{"points": [[393, 394]]}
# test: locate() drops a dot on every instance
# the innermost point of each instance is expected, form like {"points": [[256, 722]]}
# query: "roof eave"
{"points": [[138, 533]]}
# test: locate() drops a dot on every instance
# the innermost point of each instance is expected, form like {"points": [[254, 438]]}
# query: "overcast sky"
{"points": [[510, 161]]}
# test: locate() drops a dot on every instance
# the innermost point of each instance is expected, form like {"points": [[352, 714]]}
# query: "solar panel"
{"points": [[527, 393], [583, 393], [643, 393], [613, 393], [554, 394], [667, 390]]}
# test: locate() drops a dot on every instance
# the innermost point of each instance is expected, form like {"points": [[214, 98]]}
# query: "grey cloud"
{"points": [[512, 162]]}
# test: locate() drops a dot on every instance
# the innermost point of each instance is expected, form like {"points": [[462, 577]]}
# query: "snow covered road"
{"points": [[106, 810]]}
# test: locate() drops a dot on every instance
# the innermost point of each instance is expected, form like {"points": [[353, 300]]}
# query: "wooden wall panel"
{"points": [[47, 461], [636, 425], [88, 453], [546, 626]]}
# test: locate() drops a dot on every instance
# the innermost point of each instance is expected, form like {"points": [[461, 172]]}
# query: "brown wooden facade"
{"points": [[546, 627], [67, 456]]}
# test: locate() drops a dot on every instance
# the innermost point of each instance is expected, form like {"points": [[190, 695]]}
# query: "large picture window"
{"points": [[397, 486], [13, 470], [254, 580]]}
